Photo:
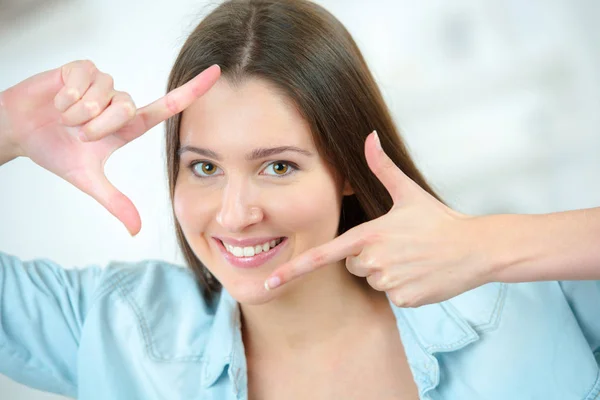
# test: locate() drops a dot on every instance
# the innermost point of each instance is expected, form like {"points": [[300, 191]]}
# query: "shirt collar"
{"points": [[427, 330], [224, 333], [439, 327]]}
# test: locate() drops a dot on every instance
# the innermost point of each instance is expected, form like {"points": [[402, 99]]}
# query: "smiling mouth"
{"points": [[251, 251]]}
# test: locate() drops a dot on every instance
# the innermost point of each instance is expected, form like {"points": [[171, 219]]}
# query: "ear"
{"points": [[347, 191]]}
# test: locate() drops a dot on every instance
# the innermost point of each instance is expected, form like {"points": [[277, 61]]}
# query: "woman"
{"points": [[264, 166]]}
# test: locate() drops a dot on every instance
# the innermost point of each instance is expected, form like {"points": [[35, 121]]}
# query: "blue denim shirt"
{"points": [[143, 331]]}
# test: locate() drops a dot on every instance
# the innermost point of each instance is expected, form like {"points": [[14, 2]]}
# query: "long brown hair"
{"points": [[310, 57]]}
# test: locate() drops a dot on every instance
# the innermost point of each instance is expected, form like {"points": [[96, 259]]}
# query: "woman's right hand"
{"points": [[71, 119]]}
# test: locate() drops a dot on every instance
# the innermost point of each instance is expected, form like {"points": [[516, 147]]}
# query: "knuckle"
{"points": [[404, 299], [72, 94], [317, 257], [358, 270], [126, 104], [383, 281], [129, 109], [397, 299], [171, 104], [110, 81], [378, 281], [353, 263], [89, 65], [369, 261], [92, 108], [387, 164], [372, 282]]}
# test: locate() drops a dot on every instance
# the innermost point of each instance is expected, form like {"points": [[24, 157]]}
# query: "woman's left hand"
{"points": [[420, 252]]}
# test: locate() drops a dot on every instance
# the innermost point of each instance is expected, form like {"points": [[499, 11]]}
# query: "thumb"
{"points": [[399, 186], [99, 187], [39, 89]]}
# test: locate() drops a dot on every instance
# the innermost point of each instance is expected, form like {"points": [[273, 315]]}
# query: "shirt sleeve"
{"points": [[584, 299], [42, 311]]}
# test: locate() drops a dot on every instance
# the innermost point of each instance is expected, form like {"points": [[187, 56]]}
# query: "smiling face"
{"points": [[250, 177]]}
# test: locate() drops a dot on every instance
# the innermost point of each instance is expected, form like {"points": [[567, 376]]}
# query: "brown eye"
{"points": [[204, 169], [209, 169], [280, 168]]}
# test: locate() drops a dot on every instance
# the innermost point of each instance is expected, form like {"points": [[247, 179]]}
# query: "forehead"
{"points": [[252, 113]]}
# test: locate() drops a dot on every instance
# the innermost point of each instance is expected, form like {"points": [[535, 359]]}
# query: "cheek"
{"points": [[311, 210], [190, 207], [180, 207]]}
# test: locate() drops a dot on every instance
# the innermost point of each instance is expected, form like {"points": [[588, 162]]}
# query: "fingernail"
{"points": [[272, 282], [81, 135], [378, 142]]}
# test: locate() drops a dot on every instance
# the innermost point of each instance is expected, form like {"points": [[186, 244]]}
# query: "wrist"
{"points": [[10, 145], [541, 247], [508, 246]]}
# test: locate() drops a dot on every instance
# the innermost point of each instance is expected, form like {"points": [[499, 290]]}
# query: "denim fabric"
{"points": [[143, 331]]}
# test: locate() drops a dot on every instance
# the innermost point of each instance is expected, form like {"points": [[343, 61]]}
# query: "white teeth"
{"points": [[237, 251], [251, 251]]}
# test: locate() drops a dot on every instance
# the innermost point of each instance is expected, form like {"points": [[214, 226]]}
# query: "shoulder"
{"points": [[491, 329], [151, 280], [163, 301]]}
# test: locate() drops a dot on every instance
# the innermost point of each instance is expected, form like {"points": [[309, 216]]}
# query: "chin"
{"points": [[250, 293]]}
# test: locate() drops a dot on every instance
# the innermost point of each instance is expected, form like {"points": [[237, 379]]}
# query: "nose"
{"points": [[236, 212]]}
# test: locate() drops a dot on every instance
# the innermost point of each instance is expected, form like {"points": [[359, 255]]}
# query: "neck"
{"points": [[319, 309]]}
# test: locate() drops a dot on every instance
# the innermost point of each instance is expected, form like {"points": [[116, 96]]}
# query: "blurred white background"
{"points": [[499, 101]]}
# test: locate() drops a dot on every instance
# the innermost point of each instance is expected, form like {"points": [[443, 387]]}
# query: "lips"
{"points": [[251, 261]]}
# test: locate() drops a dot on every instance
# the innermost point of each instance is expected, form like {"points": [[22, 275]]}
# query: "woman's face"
{"points": [[250, 177]]}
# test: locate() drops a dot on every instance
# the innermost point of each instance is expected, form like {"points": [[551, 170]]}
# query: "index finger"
{"points": [[348, 244], [177, 100]]}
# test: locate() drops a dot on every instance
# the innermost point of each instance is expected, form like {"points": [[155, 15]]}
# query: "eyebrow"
{"points": [[256, 154]]}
